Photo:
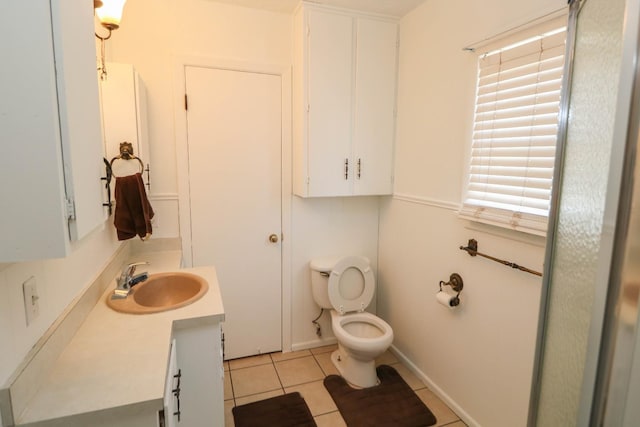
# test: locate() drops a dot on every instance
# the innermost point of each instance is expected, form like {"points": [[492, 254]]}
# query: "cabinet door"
{"points": [[123, 100], [329, 84], [51, 127], [202, 375], [79, 111], [375, 101], [171, 406], [33, 218], [119, 109]]}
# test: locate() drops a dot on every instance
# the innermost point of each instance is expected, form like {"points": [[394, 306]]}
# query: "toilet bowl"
{"points": [[347, 286]]}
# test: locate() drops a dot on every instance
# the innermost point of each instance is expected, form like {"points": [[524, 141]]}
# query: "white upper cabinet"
{"points": [[375, 106], [345, 72], [49, 115]]}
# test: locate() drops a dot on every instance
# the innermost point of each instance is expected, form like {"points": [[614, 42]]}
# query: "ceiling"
{"points": [[386, 7]]}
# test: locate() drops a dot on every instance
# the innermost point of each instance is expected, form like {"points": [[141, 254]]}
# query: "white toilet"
{"points": [[347, 286]]}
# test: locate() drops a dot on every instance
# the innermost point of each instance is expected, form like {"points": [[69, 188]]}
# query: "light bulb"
{"points": [[110, 13]]}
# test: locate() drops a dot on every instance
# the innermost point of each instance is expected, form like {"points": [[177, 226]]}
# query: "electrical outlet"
{"points": [[31, 299]]}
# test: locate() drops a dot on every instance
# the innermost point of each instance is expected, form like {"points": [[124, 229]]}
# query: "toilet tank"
{"points": [[320, 270]]}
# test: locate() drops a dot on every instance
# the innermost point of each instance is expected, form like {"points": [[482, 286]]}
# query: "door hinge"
{"points": [[70, 208], [186, 103]]}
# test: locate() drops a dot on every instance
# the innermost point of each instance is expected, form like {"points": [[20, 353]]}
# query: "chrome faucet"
{"points": [[127, 280]]}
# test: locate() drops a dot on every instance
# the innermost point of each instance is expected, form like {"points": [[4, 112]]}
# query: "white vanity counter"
{"points": [[116, 364]]}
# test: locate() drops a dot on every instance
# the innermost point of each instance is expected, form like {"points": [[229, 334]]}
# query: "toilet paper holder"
{"points": [[456, 283]]}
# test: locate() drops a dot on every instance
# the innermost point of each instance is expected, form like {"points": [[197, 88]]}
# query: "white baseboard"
{"points": [[313, 344], [464, 416]]}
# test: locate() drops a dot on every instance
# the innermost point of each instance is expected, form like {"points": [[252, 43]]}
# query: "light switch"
{"points": [[31, 303]]}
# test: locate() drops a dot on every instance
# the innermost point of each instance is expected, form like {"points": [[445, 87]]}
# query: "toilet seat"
{"points": [[343, 303]]}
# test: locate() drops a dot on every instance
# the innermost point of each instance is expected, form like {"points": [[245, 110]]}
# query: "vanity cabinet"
{"points": [[51, 162], [345, 73], [194, 391]]}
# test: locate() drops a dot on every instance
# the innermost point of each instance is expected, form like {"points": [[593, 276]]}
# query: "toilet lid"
{"points": [[351, 285]]}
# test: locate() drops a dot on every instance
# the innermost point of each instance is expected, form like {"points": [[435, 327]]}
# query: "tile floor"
{"points": [[260, 377]]}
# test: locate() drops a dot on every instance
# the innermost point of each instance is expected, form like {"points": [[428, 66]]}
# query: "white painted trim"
{"points": [[182, 160], [530, 239], [442, 204], [314, 5], [313, 344], [464, 416], [164, 196], [520, 25], [287, 194]]}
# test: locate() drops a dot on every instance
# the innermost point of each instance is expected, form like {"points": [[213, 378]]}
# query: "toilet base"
{"points": [[358, 373]]}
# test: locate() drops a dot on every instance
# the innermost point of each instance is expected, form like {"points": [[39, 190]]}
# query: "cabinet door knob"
{"points": [[273, 238]]}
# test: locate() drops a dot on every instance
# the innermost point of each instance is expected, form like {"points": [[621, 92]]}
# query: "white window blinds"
{"points": [[515, 130]]}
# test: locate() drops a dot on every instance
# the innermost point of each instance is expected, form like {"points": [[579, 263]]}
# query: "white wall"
{"points": [[479, 357], [154, 33], [59, 281], [326, 227]]}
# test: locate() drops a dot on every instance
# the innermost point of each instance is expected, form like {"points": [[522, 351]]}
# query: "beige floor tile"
{"points": [[245, 362], [299, 371], [334, 419], [324, 360], [253, 380], [228, 415], [277, 357], [256, 397], [317, 397], [443, 414], [256, 378], [386, 358], [324, 349], [228, 390], [409, 377]]}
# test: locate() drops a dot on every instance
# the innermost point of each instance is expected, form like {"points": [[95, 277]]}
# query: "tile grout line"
{"points": [[277, 373], [315, 358]]}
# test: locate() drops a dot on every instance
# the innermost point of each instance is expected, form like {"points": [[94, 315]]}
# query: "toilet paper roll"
{"points": [[445, 299]]}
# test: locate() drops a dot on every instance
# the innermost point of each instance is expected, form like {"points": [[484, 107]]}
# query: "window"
{"points": [[515, 129]]}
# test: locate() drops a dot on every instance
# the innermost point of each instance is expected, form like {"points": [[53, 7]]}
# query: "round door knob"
{"points": [[273, 238]]}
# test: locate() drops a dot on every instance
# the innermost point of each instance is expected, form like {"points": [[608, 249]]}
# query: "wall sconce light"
{"points": [[109, 12]]}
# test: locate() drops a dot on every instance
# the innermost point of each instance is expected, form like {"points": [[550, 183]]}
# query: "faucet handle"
{"points": [[131, 268], [135, 264], [124, 282]]}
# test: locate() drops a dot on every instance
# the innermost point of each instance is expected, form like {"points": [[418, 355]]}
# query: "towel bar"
{"points": [[472, 249]]}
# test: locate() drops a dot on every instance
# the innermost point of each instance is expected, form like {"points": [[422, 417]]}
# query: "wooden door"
{"points": [[234, 149]]}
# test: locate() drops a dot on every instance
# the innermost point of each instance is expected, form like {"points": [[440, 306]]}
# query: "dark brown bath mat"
{"points": [[289, 410], [392, 403]]}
